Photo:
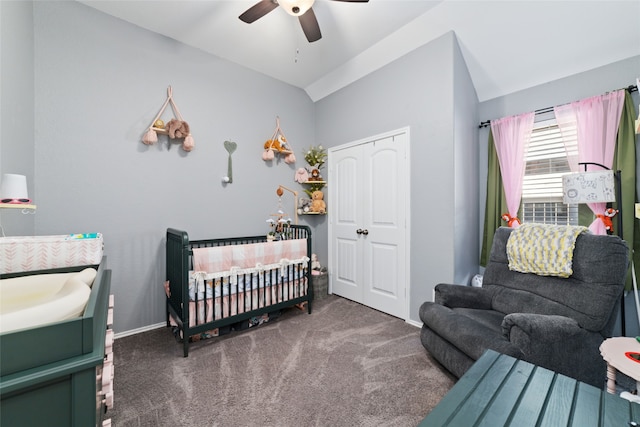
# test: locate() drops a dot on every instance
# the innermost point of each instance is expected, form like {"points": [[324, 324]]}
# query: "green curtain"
{"points": [[496, 203], [624, 160]]}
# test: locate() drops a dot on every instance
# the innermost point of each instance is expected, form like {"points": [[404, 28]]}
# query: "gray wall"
{"points": [[595, 82], [421, 90], [16, 107], [99, 82]]}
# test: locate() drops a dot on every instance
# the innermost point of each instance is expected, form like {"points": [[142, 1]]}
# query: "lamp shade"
{"points": [[13, 187], [589, 187]]}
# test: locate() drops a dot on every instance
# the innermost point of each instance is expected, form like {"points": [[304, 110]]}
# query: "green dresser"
{"points": [[54, 375], [499, 390]]}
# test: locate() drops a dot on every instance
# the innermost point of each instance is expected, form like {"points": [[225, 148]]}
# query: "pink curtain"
{"points": [[511, 136], [595, 121]]}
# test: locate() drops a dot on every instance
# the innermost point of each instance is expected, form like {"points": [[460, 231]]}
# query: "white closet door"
{"points": [[368, 223]]}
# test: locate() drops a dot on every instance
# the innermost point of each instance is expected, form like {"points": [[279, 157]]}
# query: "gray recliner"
{"points": [[556, 323]]}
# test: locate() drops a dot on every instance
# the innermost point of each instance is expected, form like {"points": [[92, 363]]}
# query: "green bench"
{"points": [[499, 390]]}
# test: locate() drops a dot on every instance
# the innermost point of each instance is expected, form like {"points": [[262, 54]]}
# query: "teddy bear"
{"points": [[177, 128], [317, 204]]}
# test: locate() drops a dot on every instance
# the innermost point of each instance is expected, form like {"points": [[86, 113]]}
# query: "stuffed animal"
{"points": [[304, 206], [282, 143], [301, 175], [315, 175], [607, 218], [317, 204], [273, 144], [177, 128], [315, 264], [512, 221]]}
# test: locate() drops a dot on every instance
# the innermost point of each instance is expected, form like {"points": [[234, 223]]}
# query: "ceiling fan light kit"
{"points": [[296, 7], [300, 8]]}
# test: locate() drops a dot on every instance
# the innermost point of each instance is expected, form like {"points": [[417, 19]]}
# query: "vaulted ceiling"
{"points": [[508, 45]]}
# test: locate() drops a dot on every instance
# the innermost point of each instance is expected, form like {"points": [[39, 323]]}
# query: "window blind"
{"points": [[547, 160]]}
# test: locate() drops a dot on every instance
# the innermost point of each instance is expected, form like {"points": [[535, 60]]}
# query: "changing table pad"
{"points": [[29, 253]]}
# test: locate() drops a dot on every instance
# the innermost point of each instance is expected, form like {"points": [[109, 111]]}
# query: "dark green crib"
{"points": [[179, 262]]}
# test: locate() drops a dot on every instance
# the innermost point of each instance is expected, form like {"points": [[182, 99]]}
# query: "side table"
{"points": [[617, 352]]}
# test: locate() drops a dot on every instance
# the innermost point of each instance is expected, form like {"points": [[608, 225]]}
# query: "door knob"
{"points": [[359, 231], [365, 231]]}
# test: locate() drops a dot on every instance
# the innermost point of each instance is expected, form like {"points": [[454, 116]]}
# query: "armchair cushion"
{"points": [[557, 323]]}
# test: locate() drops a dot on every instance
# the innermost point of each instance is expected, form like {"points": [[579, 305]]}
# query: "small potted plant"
{"points": [[315, 157]]}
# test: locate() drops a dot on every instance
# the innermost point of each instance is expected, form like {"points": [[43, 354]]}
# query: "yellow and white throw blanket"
{"points": [[543, 249]]}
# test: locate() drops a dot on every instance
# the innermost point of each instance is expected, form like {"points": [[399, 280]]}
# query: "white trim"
{"points": [[140, 330], [414, 323]]}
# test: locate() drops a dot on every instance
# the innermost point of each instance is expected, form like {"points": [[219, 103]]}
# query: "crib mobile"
{"points": [[174, 128]]}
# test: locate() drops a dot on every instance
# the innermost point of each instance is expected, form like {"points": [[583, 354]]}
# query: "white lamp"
{"points": [[296, 7], [14, 189]]}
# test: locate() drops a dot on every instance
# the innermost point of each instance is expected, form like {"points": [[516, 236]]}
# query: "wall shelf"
{"points": [[16, 206]]}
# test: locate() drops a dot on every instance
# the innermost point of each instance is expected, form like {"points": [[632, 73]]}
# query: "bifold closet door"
{"points": [[367, 222]]}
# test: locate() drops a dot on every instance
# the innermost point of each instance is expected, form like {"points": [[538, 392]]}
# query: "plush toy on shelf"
{"points": [[301, 175], [278, 144], [315, 175], [175, 128], [317, 204]]}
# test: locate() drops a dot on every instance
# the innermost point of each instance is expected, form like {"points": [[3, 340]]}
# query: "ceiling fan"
{"points": [[300, 8]]}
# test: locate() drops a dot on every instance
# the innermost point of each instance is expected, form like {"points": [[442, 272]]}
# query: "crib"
{"points": [[216, 283]]}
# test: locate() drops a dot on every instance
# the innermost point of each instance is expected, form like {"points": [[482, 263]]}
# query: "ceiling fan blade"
{"points": [[310, 25], [257, 11]]}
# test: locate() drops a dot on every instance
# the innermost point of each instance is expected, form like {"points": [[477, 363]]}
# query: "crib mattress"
{"points": [[30, 253]]}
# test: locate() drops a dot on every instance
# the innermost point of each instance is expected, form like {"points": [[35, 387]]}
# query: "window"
{"points": [[546, 162]]}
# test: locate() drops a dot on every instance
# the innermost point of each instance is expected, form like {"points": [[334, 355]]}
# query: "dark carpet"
{"points": [[343, 365]]}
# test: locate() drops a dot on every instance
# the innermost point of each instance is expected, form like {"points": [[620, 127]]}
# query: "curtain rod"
{"points": [[630, 88]]}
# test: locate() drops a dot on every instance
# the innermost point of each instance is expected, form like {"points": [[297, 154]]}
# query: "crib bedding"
{"points": [[232, 297], [219, 283]]}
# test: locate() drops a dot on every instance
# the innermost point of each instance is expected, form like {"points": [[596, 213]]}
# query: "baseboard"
{"points": [[139, 330], [414, 323], [164, 324]]}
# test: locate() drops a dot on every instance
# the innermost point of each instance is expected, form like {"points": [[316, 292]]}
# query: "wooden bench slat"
{"points": [[485, 390], [499, 390], [560, 403]]}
